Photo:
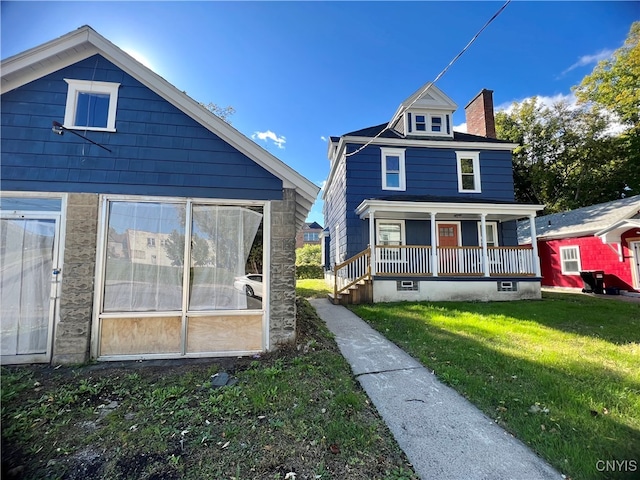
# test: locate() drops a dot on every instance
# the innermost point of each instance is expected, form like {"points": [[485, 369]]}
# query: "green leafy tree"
{"points": [[565, 159], [308, 255], [614, 83]]}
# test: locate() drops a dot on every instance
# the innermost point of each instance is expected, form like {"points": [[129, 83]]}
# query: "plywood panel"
{"points": [[132, 336], [224, 333]]}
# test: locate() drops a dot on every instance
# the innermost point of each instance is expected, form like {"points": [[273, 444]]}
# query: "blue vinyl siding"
{"points": [[429, 171], [156, 149]]}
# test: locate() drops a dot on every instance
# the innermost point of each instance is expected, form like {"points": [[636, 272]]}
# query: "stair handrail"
{"points": [[366, 275]]}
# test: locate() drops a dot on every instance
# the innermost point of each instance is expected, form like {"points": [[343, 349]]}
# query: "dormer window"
{"points": [[428, 124], [91, 105], [436, 123]]}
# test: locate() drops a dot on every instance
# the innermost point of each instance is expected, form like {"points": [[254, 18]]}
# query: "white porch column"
{"points": [[434, 246], [483, 235], [372, 240], [534, 245]]}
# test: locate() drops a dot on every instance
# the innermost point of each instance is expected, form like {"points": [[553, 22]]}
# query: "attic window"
{"points": [[427, 124], [436, 124], [91, 105]]}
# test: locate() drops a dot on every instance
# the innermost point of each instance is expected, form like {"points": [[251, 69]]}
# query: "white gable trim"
{"points": [[85, 42]]}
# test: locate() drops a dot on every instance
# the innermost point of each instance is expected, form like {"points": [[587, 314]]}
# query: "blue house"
{"points": [[133, 219], [416, 211]]}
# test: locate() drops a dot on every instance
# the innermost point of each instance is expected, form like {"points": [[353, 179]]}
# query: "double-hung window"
{"points": [[427, 123], [91, 105], [468, 172], [393, 171], [570, 258], [390, 236], [492, 234]]}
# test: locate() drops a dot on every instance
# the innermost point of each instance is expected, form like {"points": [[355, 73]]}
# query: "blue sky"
{"points": [[299, 72]]}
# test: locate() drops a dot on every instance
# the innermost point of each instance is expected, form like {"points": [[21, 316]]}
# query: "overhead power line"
{"points": [[402, 111]]}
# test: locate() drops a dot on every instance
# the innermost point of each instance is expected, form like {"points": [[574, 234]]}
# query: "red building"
{"points": [[600, 238]]}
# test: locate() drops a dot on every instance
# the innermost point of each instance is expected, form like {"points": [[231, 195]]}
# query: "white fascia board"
{"points": [[86, 36], [405, 142], [290, 178], [612, 233], [74, 45], [510, 210]]}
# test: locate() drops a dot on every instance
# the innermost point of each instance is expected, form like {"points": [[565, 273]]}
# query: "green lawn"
{"points": [[562, 374], [312, 288]]}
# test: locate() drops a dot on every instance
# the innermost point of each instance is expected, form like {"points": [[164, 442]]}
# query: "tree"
{"points": [[308, 255], [614, 83], [308, 262], [565, 159]]}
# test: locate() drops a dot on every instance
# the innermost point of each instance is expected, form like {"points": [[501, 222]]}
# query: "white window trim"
{"points": [[429, 124], [443, 124], [494, 226], [576, 248], [475, 157], [393, 152], [401, 256], [76, 86], [383, 221]]}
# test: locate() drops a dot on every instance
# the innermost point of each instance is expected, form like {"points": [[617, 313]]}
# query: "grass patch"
{"points": [[296, 410], [312, 288], [562, 374]]}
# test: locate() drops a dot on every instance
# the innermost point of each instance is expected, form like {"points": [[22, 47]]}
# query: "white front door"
{"points": [[29, 285]]}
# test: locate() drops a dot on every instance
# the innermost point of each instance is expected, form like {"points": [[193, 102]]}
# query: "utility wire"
{"points": [[429, 84]]}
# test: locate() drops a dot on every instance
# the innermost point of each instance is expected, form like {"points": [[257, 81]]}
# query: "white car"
{"points": [[250, 284]]}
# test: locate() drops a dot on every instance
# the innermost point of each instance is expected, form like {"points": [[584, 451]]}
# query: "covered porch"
{"points": [[444, 256]]}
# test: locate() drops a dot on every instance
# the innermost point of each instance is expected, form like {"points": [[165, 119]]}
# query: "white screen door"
{"points": [[29, 277]]}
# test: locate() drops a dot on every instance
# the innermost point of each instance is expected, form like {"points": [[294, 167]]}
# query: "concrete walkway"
{"points": [[443, 435]]}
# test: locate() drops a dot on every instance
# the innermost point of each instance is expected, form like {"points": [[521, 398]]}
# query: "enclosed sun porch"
{"points": [[438, 251]]}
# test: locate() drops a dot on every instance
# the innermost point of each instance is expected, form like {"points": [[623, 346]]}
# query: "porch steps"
{"points": [[360, 293]]}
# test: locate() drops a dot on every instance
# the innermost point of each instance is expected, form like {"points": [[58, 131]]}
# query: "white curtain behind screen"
{"points": [[145, 257], [26, 264], [228, 232]]}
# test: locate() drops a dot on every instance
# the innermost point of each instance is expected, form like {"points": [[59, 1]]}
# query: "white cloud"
{"points": [[323, 138], [589, 59], [279, 141], [460, 128], [321, 184], [542, 100]]}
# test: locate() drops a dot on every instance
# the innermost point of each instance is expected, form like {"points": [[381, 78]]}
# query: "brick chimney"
{"points": [[479, 113]]}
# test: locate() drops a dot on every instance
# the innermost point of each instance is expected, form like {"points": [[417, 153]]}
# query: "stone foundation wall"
{"points": [[73, 331], [282, 309]]}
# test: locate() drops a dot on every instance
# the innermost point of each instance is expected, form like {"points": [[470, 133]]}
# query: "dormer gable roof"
{"points": [[427, 97], [85, 42]]}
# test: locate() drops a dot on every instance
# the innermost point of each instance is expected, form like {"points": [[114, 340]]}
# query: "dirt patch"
{"points": [[295, 411]]}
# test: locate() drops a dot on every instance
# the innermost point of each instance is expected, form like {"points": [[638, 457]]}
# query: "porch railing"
{"points": [[461, 261], [403, 260], [352, 271]]}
